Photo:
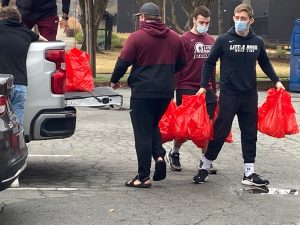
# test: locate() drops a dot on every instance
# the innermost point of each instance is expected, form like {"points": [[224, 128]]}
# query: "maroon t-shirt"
{"points": [[197, 48]]}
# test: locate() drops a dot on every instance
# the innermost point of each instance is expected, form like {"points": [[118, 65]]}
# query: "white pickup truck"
{"points": [[50, 112]]}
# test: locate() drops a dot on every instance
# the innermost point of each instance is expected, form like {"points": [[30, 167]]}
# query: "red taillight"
{"points": [[56, 56], [58, 78], [2, 104]]}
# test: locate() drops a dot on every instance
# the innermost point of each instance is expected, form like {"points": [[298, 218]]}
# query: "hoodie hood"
{"points": [[232, 32], [154, 28], [11, 22]]}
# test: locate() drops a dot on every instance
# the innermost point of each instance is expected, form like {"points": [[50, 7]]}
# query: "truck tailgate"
{"points": [[101, 96]]}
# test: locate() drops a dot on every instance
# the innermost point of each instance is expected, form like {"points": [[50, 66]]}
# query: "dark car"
{"points": [[13, 150]]}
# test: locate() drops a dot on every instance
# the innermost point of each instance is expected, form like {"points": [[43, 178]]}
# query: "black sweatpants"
{"points": [[244, 105], [145, 115]]}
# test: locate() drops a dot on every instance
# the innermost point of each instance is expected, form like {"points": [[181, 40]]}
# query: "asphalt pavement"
{"points": [[80, 180]]}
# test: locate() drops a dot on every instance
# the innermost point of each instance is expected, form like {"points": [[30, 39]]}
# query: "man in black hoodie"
{"points": [[43, 13], [238, 49], [156, 53]]}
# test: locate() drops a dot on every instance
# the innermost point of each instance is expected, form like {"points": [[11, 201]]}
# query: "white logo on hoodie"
{"points": [[243, 48]]}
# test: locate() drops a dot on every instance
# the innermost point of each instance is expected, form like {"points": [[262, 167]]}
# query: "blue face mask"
{"points": [[201, 29], [240, 26]]}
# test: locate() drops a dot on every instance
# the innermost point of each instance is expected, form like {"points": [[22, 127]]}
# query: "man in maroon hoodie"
{"points": [[197, 43], [156, 53]]}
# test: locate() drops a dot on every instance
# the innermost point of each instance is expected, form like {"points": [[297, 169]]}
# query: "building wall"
{"points": [[274, 19], [227, 13], [126, 23], [282, 14]]}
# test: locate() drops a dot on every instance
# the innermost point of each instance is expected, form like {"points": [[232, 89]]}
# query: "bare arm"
{"points": [[5, 3]]}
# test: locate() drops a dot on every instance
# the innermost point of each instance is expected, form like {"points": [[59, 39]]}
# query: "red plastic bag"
{"points": [[276, 116], [229, 138], [182, 116], [199, 127], [78, 70], [164, 123], [291, 125]]}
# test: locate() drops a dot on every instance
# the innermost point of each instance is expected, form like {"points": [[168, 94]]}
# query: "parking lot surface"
{"points": [[80, 180]]}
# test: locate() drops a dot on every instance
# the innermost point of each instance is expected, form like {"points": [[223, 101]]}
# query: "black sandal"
{"points": [[141, 185], [160, 172]]}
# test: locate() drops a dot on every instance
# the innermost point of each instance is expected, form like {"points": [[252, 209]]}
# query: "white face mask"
{"points": [[201, 29]]}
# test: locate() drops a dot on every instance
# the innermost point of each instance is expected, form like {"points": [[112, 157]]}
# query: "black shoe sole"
{"points": [[171, 165], [213, 172], [199, 182], [249, 183], [174, 169]]}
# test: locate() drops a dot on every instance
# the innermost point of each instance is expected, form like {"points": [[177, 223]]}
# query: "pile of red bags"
{"points": [[189, 121], [276, 116], [78, 70]]}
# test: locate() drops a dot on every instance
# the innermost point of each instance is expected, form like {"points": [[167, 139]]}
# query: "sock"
{"points": [[249, 169], [175, 150], [201, 161], [206, 163], [202, 157]]}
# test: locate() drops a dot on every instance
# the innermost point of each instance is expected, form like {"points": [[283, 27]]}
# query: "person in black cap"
{"points": [[155, 53]]}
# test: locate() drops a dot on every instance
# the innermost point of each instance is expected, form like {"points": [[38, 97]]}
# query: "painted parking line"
{"points": [[61, 189], [54, 156], [43, 189]]}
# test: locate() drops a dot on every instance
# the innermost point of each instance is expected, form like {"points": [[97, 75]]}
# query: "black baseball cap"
{"points": [[149, 9]]}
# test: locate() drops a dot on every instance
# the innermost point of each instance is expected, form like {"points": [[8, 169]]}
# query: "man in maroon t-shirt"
{"points": [[197, 45]]}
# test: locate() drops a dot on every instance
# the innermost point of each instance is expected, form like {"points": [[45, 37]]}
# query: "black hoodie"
{"points": [[238, 56], [32, 10], [15, 39]]}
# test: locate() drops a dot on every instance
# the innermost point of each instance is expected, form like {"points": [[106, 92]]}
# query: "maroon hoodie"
{"points": [[156, 53]]}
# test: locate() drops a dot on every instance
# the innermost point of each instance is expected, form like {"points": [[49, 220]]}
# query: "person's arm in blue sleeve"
{"points": [[267, 68], [265, 65], [66, 6], [64, 20], [5, 3], [210, 65]]}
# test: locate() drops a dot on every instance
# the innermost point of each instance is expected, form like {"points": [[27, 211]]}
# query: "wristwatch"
{"points": [[65, 16]]}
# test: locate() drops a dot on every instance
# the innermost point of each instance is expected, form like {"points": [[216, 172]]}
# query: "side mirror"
{"points": [[6, 84]]}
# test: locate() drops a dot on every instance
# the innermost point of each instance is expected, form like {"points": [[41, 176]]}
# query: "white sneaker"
{"points": [[15, 184]]}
